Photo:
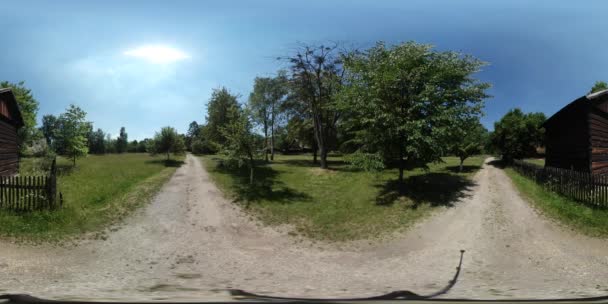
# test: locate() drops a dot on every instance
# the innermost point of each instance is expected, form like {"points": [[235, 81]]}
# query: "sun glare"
{"points": [[157, 53]]}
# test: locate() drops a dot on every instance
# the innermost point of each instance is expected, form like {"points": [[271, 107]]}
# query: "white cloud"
{"points": [[157, 54]]}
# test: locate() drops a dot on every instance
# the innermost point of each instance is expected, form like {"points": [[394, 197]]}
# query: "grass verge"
{"points": [[341, 204], [589, 221], [100, 190]]}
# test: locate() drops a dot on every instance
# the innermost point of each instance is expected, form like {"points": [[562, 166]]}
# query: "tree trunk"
{"points": [[74, 161], [314, 152], [272, 133], [323, 157], [266, 140], [401, 165], [461, 161], [250, 170], [167, 155]]}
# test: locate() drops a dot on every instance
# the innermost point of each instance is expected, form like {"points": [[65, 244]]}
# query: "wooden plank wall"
{"points": [[567, 139], [598, 128], [9, 151]]}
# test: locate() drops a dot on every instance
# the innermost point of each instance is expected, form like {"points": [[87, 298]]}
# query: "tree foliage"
{"points": [[469, 137], [218, 115], [167, 141], [241, 146], [266, 102], [28, 107], [72, 133], [405, 99], [316, 75], [122, 141], [517, 134], [599, 86]]}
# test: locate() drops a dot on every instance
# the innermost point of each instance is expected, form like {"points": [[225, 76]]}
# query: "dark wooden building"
{"points": [[577, 135], [10, 122]]}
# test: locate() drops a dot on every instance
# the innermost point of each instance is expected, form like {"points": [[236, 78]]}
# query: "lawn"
{"points": [[101, 189], [536, 161], [341, 204], [590, 221]]}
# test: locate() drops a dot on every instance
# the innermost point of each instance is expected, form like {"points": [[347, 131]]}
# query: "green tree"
{"points": [[265, 103], [241, 143], [193, 131], [469, 137], [407, 98], [122, 141], [316, 79], [28, 107], [217, 115], [168, 141], [73, 132], [517, 134], [599, 86], [49, 128], [132, 146], [96, 142], [143, 145]]}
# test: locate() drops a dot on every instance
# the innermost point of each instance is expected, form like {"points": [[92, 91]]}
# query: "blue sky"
{"points": [[541, 54]]}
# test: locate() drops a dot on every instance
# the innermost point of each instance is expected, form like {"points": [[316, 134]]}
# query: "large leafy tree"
{"points": [[599, 86], [316, 79], [517, 134], [241, 144], [28, 106], [167, 141], [469, 138], [72, 132], [48, 128], [405, 99], [217, 115], [193, 131], [96, 142], [122, 141], [265, 102]]}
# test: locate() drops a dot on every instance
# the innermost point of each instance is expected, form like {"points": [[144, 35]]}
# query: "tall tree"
{"points": [[49, 128], [265, 102], [217, 115], [599, 86], [193, 131], [73, 132], [316, 78], [168, 141], [28, 107], [407, 97], [97, 142], [517, 134], [122, 141], [469, 138], [241, 144]]}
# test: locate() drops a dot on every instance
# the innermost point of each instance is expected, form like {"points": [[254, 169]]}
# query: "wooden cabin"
{"points": [[577, 135], [10, 122]]}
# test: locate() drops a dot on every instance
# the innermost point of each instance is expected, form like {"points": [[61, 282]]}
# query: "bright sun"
{"points": [[157, 53]]}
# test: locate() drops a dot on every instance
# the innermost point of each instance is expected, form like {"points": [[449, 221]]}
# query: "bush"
{"points": [[369, 162], [37, 148], [201, 146]]}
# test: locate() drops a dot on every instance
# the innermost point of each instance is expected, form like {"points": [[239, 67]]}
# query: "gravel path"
{"points": [[191, 242]]}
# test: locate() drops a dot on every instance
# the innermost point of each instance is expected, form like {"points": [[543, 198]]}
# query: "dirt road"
{"points": [[190, 242]]}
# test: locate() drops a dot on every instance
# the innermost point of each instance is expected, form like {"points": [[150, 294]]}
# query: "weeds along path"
{"points": [[191, 242]]}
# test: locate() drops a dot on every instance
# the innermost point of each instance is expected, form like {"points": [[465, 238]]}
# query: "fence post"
{"points": [[52, 185]]}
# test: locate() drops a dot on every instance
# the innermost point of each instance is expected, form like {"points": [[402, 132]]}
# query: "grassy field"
{"points": [[342, 204], [536, 161], [587, 220], [101, 189]]}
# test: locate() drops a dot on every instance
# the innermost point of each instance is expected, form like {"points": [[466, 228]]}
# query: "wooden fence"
{"points": [[584, 187], [28, 193]]}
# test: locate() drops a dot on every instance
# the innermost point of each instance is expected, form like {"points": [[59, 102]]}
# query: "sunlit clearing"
{"points": [[157, 54]]}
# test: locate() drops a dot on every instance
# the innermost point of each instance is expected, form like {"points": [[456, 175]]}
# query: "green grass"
{"points": [[341, 204], [536, 161], [101, 189], [590, 221]]}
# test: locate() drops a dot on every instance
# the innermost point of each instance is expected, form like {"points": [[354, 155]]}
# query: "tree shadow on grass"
{"points": [[498, 163], [437, 189], [266, 186], [465, 169], [166, 162]]}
